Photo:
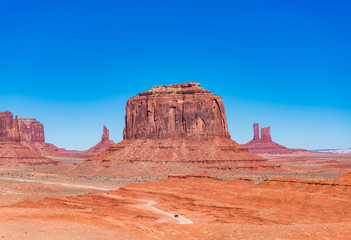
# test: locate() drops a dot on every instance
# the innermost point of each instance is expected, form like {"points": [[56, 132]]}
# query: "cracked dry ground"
{"points": [[220, 209]]}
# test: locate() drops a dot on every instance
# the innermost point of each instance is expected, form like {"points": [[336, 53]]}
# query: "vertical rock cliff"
{"points": [[9, 129], [175, 111], [105, 134], [266, 134], [31, 130], [256, 132]]}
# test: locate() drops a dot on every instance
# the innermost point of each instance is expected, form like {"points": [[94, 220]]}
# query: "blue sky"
{"points": [[73, 64]]}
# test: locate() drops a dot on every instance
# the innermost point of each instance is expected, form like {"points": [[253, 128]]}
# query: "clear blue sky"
{"points": [[73, 64]]}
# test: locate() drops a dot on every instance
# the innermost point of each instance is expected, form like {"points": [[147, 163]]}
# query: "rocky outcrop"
{"points": [[31, 130], [256, 132], [12, 152], [266, 134], [181, 127], [9, 129], [105, 134], [105, 143], [181, 110], [264, 144], [32, 136]]}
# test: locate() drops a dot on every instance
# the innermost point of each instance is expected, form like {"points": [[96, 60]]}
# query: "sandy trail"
{"points": [[148, 204]]}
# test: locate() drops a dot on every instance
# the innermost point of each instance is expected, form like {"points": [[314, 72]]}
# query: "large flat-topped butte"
{"points": [[179, 123], [182, 110]]}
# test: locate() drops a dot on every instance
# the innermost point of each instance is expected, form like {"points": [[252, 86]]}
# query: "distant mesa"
{"points": [[264, 144], [12, 152], [22, 143], [180, 126], [32, 135]]}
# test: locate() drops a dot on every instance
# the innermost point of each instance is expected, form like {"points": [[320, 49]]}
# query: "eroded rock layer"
{"points": [[216, 153], [15, 154], [180, 126]]}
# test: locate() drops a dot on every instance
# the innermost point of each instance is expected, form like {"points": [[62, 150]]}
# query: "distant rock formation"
{"points": [[264, 144], [32, 135], [31, 130], [341, 151], [105, 143], [266, 134], [12, 152], [9, 129], [105, 134], [173, 125], [256, 132]]}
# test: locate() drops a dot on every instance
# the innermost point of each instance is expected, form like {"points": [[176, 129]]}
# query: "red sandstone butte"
{"points": [[179, 111], [264, 144], [12, 152], [31, 130], [178, 124], [9, 130]]}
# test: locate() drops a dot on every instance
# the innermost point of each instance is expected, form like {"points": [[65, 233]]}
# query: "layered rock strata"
{"points": [[180, 124], [264, 144], [32, 136]]}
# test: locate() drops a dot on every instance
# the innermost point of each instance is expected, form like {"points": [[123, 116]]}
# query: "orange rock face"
{"points": [[9, 130], [14, 154], [180, 110], [31, 130], [101, 146], [180, 126]]}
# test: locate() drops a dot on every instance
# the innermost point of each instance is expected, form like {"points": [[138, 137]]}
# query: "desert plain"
{"points": [[176, 175]]}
